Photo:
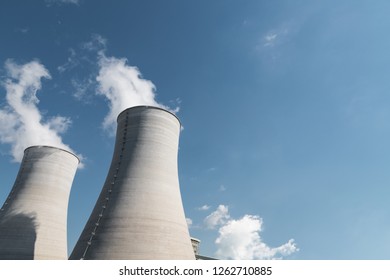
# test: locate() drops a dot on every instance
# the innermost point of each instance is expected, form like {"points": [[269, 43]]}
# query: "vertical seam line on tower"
{"points": [[112, 184]]}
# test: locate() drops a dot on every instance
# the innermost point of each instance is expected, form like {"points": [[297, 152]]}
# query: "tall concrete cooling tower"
{"points": [[139, 213], [33, 219]]}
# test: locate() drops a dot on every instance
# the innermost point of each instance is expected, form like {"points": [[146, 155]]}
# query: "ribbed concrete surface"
{"points": [[33, 219], [139, 213]]}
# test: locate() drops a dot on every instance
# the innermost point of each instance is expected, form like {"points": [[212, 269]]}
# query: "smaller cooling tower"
{"points": [[139, 213], [33, 219]]}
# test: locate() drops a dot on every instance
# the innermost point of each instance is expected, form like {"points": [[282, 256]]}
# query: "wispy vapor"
{"points": [[21, 122], [269, 39], [240, 239], [97, 43], [71, 63], [204, 207], [278, 37], [82, 89], [60, 2], [22, 30]]}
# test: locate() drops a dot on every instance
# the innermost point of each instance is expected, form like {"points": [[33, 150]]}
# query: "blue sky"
{"points": [[285, 108]]}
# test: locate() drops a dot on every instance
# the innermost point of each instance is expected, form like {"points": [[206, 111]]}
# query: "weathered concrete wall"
{"points": [[33, 219], [139, 213]]}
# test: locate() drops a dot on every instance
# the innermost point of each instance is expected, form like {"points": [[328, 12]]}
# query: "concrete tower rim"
{"points": [[148, 107], [52, 147]]}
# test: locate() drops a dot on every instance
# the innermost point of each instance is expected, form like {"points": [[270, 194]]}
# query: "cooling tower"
{"points": [[139, 213], [33, 219]]}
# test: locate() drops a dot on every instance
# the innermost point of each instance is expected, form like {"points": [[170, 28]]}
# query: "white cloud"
{"points": [[240, 239], [21, 122], [204, 207], [189, 222], [218, 217], [222, 188]]}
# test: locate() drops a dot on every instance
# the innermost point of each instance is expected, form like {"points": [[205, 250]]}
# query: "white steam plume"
{"points": [[120, 83], [21, 123], [240, 239], [124, 87]]}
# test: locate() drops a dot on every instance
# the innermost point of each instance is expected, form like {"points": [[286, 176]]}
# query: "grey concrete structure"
{"points": [[33, 219], [195, 245], [139, 213]]}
